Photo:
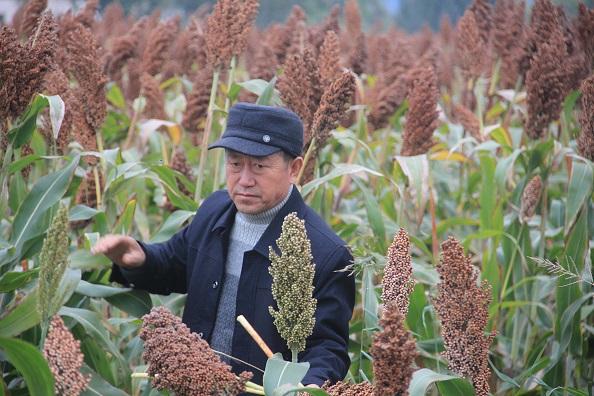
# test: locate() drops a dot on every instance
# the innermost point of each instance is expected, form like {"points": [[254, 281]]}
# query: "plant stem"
{"points": [[219, 153], [294, 353], [254, 385], [97, 186], [254, 391], [435, 242], [130, 135], [4, 178], [100, 149], [206, 135], [543, 219], [164, 150], [306, 159]]}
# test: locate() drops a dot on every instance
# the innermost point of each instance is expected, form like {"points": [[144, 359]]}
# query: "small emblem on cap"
{"points": [[266, 138]]}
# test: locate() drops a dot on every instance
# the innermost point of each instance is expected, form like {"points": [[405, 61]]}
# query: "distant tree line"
{"points": [[411, 15]]}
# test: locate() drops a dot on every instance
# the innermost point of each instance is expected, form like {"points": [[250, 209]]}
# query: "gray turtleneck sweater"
{"points": [[247, 230]]}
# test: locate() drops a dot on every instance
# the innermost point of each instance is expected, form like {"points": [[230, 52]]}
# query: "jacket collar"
{"points": [[294, 204]]}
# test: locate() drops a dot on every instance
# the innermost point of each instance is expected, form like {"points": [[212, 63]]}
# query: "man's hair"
{"points": [[287, 157]]}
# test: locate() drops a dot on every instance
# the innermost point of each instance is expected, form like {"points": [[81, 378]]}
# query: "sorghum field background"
{"points": [[444, 159]]}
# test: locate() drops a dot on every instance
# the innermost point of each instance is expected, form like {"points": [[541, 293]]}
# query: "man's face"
{"points": [[256, 184]]}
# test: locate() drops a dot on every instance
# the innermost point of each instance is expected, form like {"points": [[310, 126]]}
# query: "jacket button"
{"points": [[215, 284]]}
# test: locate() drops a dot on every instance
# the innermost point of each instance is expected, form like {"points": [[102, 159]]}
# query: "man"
{"points": [[221, 259]]}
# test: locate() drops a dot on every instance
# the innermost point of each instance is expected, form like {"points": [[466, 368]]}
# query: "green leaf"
{"points": [[572, 260], [81, 212], [424, 377], [22, 163], [13, 280], [288, 389], [85, 261], [56, 111], [339, 170], [31, 364], [416, 170], [568, 318], [125, 221], [115, 97], [98, 291], [171, 225], [22, 318], [488, 193], [91, 321], [259, 87], [279, 372], [67, 286], [374, 216], [27, 122], [98, 386], [168, 179], [425, 274], [135, 302], [580, 189], [455, 387], [370, 303], [267, 95], [504, 168], [45, 193]]}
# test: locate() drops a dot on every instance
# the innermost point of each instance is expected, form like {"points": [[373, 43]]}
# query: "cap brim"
{"points": [[245, 146]]}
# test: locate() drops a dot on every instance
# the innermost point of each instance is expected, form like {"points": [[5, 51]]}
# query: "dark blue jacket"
{"points": [[193, 262]]}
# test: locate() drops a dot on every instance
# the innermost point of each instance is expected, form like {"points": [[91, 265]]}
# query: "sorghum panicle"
{"points": [[421, 118], [545, 85], [394, 352], [343, 388], [530, 198], [585, 142], [181, 361], [62, 352], [462, 307], [398, 283], [53, 261], [292, 284]]}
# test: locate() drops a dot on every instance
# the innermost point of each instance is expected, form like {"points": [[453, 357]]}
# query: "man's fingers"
{"points": [[104, 245]]}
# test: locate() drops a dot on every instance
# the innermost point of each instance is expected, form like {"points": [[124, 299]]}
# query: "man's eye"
{"points": [[260, 166]]}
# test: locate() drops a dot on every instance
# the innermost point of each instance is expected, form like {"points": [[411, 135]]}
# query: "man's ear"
{"points": [[294, 168]]}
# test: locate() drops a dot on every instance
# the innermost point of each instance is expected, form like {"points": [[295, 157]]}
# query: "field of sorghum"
{"points": [[457, 165]]}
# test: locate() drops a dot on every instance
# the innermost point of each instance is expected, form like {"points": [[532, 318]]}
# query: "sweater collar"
{"points": [[294, 204]]}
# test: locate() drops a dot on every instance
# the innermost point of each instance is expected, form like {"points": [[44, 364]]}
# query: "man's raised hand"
{"points": [[121, 249]]}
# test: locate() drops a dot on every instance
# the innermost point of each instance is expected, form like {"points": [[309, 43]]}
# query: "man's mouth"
{"points": [[246, 195]]}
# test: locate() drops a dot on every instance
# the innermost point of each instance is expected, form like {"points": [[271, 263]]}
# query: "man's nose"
{"points": [[246, 177]]}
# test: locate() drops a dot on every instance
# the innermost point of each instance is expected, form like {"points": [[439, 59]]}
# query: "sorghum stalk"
{"points": [[4, 178], [219, 154], [307, 158], [204, 146], [97, 185]]}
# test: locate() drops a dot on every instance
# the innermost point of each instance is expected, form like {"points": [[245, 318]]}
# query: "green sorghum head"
{"points": [[292, 284], [53, 263]]}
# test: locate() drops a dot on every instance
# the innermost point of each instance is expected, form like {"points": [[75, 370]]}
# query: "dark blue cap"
{"points": [[258, 131]]}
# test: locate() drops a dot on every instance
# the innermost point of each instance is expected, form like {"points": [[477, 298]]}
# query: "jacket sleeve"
{"points": [[164, 270], [327, 347]]}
